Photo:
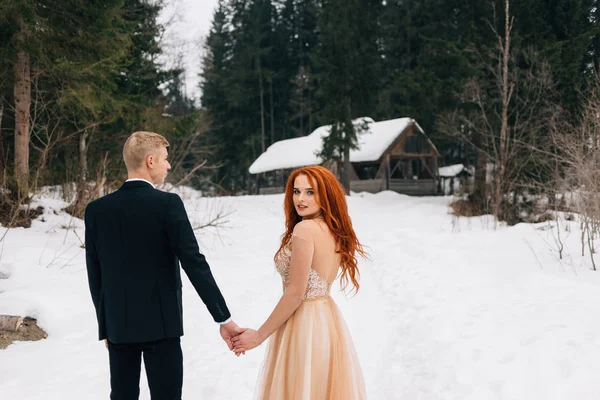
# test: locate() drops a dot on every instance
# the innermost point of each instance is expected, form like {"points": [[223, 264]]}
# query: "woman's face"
{"points": [[306, 198]]}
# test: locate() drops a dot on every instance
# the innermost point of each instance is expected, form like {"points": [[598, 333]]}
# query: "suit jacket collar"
{"points": [[136, 184]]}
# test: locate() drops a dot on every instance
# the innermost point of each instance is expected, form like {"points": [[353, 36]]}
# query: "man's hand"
{"points": [[228, 331], [106, 343]]}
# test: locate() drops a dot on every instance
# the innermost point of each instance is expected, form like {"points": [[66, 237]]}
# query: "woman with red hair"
{"points": [[311, 355]]}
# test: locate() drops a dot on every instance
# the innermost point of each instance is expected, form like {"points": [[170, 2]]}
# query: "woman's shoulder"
{"points": [[306, 228], [309, 228]]}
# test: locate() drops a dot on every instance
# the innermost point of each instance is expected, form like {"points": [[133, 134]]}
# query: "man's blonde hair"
{"points": [[139, 146]]}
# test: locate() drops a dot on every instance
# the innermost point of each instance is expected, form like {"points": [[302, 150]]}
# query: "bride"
{"points": [[310, 355]]}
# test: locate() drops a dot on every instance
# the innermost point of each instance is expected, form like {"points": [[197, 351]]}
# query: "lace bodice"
{"points": [[317, 286]]}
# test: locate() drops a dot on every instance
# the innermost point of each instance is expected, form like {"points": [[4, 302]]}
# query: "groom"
{"points": [[135, 239]]}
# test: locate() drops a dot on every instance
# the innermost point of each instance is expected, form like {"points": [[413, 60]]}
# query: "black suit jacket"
{"points": [[134, 239]]}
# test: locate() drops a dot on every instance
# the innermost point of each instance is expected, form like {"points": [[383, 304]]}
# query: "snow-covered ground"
{"points": [[448, 309]]}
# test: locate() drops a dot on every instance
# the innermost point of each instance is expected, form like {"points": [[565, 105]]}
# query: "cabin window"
{"points": [[415, 145], [367, 171]]}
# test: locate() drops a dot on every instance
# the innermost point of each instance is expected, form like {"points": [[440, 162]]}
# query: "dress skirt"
{"points": [[312, 357]]}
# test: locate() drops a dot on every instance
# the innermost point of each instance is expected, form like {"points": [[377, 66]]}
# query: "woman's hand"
{"points": [[246, 341]]}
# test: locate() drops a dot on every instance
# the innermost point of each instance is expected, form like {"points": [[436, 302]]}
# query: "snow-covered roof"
{"points": [[451, 170], [302, 151]]}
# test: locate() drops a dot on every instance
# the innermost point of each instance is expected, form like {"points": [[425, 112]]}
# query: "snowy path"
{"points": [[447, 309]]}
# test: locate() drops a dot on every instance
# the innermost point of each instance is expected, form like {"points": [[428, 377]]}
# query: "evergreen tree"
{"points": [[348, 61], [59, 51], [302, 17], [215, 93], [249, 86], [87, 77], [428, 48], [592, 64], [561, 32]]}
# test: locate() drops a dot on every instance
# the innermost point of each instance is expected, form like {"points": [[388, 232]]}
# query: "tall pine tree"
{"points": [[347, 60]]}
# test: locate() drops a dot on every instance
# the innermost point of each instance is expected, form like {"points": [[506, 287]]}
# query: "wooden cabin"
{"points": [[391, 155], [455, 179]]}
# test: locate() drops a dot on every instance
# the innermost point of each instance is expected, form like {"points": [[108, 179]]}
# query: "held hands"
{"points": [[246, 340], [228, 331], [239, 340]]}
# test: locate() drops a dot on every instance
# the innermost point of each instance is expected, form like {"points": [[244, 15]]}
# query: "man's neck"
{"points": [[139, 175]]}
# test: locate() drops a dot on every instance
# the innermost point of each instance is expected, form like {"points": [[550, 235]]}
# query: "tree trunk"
{"points": [[347, 165], [272, 111], [504, 132], [309, 105], [22, 91], [83, 192], [408, 32], [10, 323], [3, 166], [262, 107], [479, 187], [349, 131], [302, 111], [83, 149], [596, 41], [300, 88]]}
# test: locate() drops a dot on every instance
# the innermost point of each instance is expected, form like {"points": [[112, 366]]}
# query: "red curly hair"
{"points": [[332, 201]]}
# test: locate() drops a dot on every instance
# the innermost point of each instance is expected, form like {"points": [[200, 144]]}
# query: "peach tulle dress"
{"points": [[312, 356]]}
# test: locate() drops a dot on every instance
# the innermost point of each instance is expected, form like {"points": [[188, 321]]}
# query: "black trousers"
{"points": [[163, 360]]}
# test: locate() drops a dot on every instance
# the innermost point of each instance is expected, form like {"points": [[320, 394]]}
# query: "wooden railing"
{"points": [[367, 185], [271, 190], [416, 187]]}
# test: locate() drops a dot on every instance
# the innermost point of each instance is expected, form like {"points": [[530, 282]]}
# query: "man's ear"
{"points": [[149, 161]]}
